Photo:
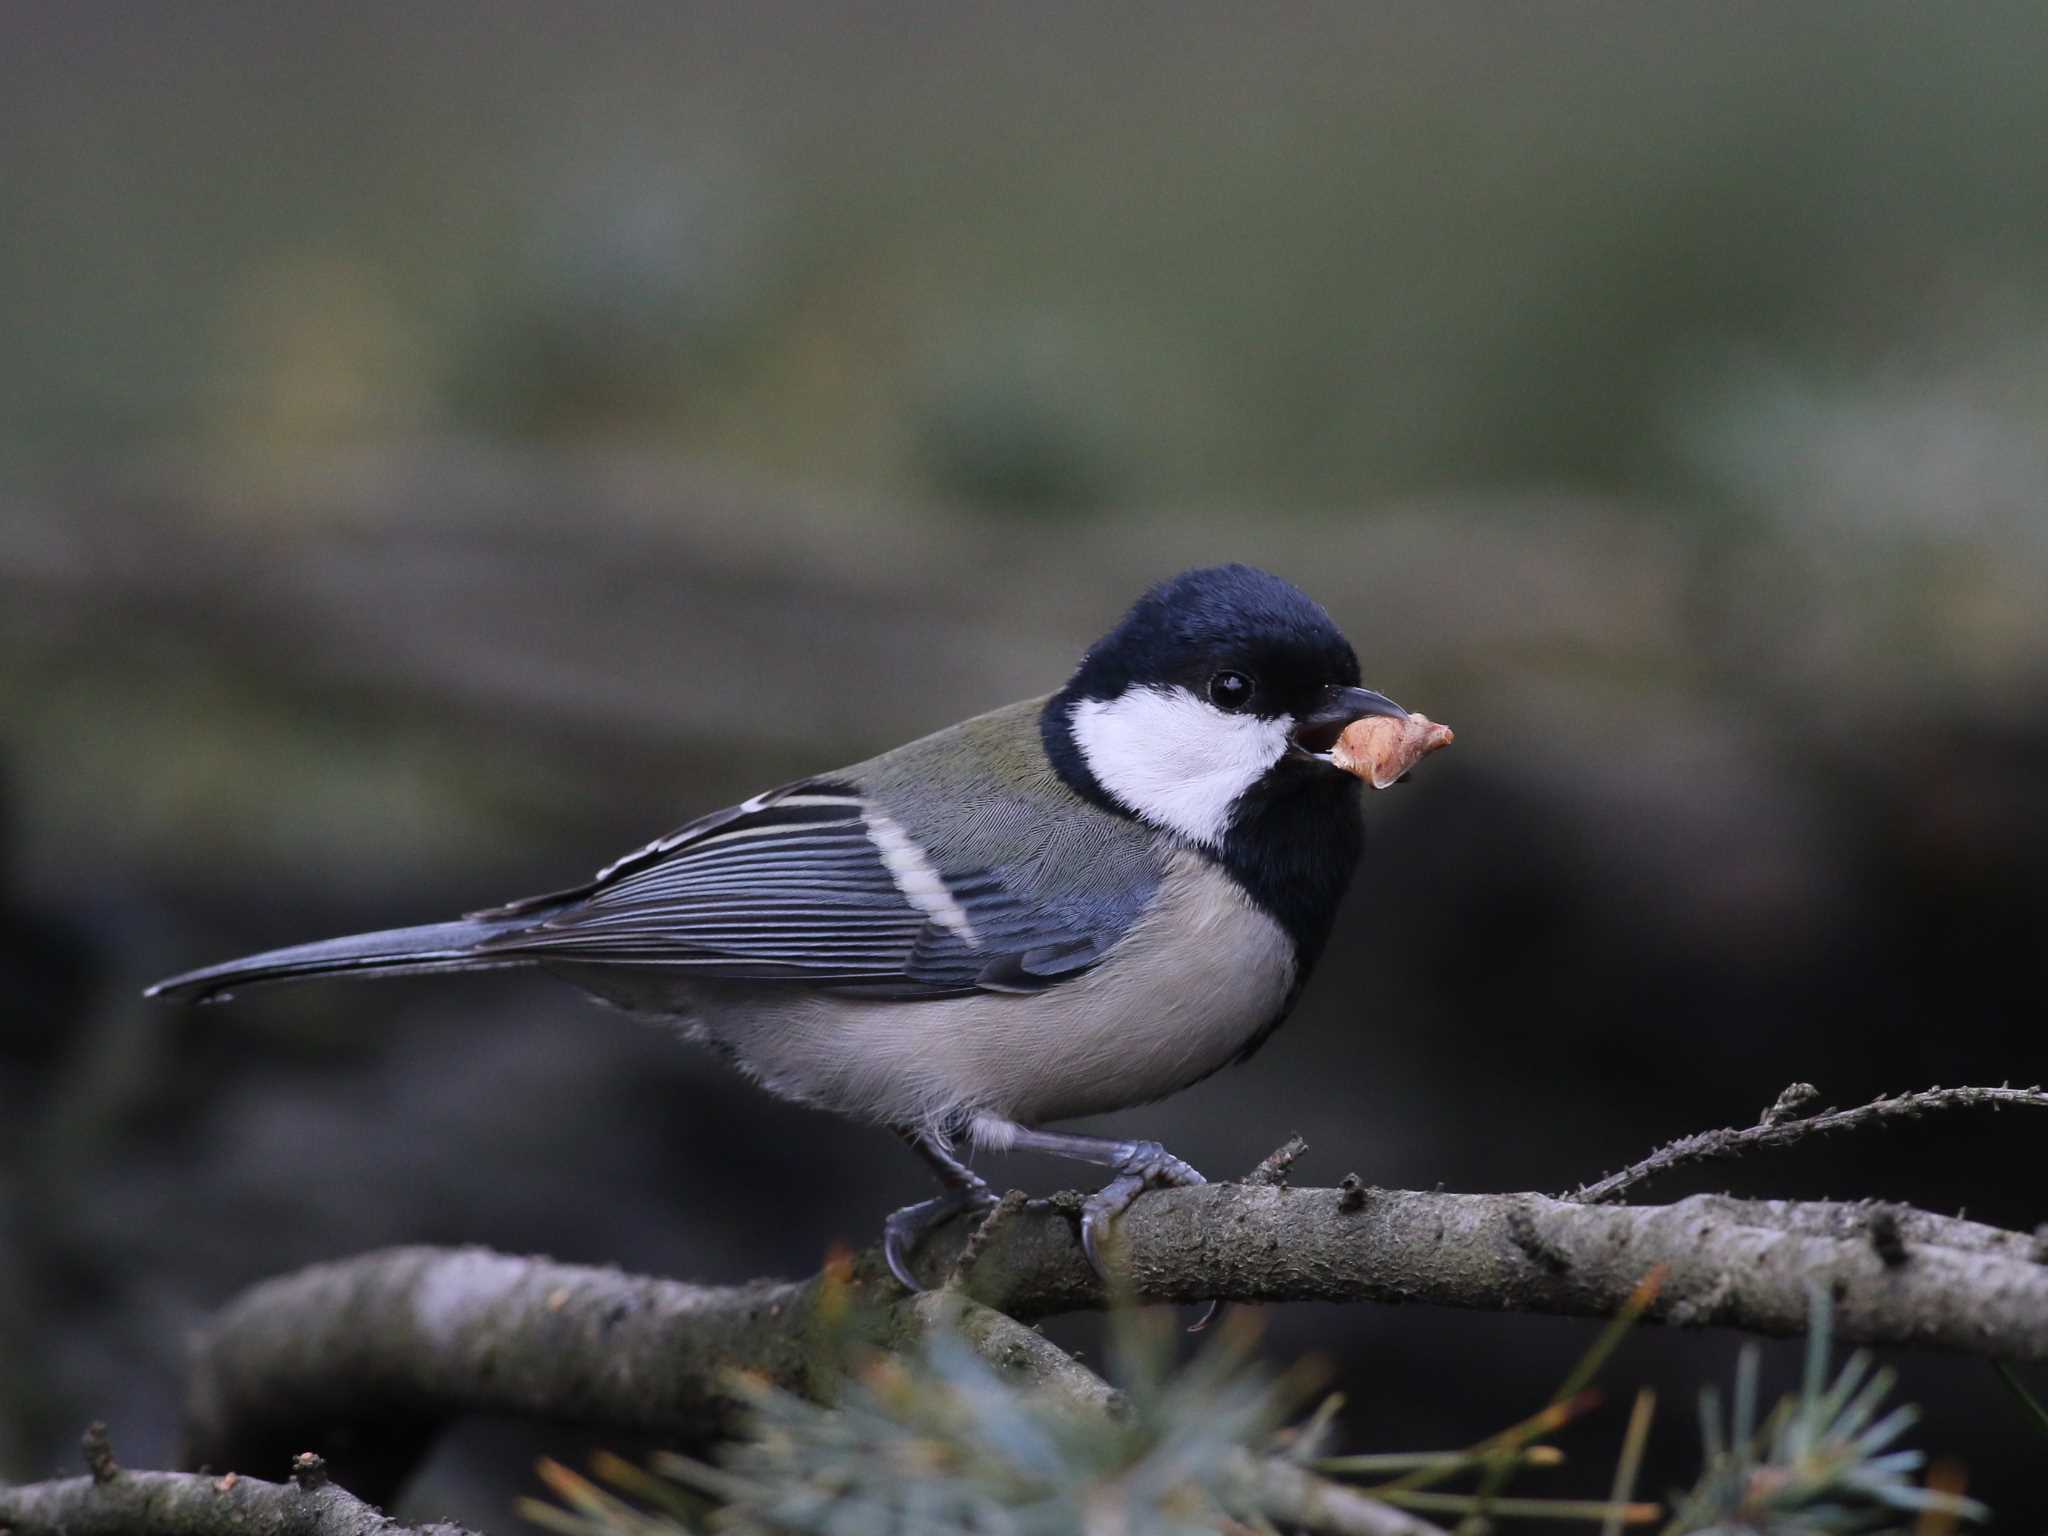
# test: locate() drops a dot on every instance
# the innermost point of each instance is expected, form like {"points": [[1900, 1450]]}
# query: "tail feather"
{"points": [[393, 952]]}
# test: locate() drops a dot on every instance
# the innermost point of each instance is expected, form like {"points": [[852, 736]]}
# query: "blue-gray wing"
{"points": [[812, 884]]}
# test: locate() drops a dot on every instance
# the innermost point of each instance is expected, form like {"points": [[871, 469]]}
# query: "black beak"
{"points": [[1317, 731]]}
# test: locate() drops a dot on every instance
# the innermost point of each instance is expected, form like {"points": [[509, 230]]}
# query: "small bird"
{"points": [[1064, 907]]}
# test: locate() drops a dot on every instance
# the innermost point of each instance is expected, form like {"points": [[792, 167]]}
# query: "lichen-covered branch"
{"points": [[112, 1502], [364, 1358], [1898, 1275], [193, 1504], [367, 1357], [398, 1342], [1787, 1122], [1021, 1354]]}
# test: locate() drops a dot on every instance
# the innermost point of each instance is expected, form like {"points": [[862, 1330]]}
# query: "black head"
{"points": [[1237, 636], [1220, 688]]}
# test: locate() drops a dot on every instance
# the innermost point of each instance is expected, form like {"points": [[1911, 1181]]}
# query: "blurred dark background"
{"points": [[441, 446]]}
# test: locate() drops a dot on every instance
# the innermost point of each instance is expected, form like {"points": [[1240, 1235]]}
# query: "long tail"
{"points": [[394, 952]]}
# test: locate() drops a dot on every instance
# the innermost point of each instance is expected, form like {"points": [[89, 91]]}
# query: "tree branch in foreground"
{"points": [[407, 1339], [113, 1502], [1785, 1123]]}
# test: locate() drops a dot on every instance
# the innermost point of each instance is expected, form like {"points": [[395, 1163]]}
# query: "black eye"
{"points": [[1230, 690]]}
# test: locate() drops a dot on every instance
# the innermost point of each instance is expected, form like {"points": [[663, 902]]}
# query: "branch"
{"points": [[367, 1357], [1021, 1354], [407, 1339], [1783, 1125], [1898, 1275], [113, 1502]]}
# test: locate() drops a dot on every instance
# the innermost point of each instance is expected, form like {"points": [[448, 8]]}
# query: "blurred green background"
{"points": [[441, 445]]}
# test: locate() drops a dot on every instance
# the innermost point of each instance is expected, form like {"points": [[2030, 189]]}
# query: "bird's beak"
{"points": [[1317, 731]]}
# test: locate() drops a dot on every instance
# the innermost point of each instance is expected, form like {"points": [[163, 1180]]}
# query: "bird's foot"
{"points": [[1139, 1166], [906, 1228], [1136, 1165]]}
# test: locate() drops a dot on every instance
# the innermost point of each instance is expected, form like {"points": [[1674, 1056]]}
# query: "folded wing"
{"points": [[809, 884]]}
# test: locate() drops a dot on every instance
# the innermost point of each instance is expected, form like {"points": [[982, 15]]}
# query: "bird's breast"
{"points": [[1180, 995]]}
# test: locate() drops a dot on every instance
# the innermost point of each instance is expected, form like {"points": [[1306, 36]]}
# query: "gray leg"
{"points": [[964, 1190], [1137, 1166]]}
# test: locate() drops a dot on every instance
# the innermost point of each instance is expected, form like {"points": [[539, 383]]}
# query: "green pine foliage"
{"points": [[1823, 1462], [938, 1444]]}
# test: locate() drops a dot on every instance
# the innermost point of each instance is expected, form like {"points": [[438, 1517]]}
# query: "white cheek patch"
{"points": [[1176, 760]]}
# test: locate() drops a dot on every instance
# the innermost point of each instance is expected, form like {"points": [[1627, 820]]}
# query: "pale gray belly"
{"points": [[1177, 998]]}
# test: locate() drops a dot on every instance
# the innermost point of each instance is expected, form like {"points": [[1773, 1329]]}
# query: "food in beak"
{"points": [[1380, 749]]}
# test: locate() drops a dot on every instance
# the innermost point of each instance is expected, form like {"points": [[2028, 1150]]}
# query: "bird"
{"points": [[1067, 906]]}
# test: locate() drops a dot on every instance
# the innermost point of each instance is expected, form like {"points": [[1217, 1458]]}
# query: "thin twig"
{"points": [[2029, 1404], [1296, 1495], [1782, 1126], [1272, 1168]]}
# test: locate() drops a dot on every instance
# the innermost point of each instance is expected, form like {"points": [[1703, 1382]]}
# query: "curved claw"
{"points": [[1144, 1165], [1099, 1210], [905, 1229]]}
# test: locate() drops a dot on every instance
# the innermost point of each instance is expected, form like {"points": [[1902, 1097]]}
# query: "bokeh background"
{"points": [[441, 446]]}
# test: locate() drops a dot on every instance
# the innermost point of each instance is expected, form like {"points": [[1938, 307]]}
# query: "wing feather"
{"points": [[792, 886]]}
